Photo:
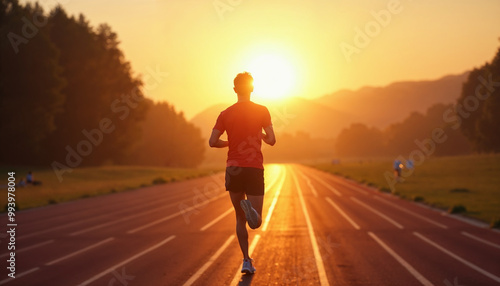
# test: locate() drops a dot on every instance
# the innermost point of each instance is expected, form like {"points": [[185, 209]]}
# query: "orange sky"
{"points": [[202, 48]]}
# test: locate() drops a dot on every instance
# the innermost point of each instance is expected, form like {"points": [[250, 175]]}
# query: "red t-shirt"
{"points": [[243, 122]]}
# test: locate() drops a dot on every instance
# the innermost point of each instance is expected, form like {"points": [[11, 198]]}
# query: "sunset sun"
{"points": [[274, 76]]}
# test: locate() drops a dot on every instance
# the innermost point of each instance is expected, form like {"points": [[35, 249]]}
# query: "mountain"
{"points": [[381, 106], [326, 116]]}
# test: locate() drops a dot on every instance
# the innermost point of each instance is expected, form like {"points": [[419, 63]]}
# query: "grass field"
{"points": [[88, 182], [446, 182]]}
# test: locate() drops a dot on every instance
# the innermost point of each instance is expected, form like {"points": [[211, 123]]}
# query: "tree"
{"points": [[479, 107], [31, 83], [359, 140]]}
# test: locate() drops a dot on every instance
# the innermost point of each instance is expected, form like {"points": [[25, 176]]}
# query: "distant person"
{"points": [[31, 180], [410, 165], [244, 122], [397, 168], [21, 183]]}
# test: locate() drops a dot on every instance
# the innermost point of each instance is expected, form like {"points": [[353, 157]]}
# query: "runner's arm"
{"points": [[269, 136], [215, 141]]}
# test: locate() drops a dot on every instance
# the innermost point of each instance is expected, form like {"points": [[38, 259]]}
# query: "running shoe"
{"points": [[250, 213], [248, 267]]}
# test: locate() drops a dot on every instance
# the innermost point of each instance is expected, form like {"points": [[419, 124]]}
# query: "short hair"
{"points": [[243, 81]]}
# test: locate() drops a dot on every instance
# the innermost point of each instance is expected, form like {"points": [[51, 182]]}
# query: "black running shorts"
{"points": [[245, 179]]}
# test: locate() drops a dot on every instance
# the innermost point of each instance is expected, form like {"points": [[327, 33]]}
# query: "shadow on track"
{"points": [[246, 279]]}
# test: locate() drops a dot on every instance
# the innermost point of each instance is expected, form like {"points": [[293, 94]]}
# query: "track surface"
{"points": [[318, 230]]}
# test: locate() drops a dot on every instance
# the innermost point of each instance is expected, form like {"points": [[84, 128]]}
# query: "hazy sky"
{"points": [[316, 46]]}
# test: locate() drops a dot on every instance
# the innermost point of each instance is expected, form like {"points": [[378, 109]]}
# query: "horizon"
{"points": [[301, 35]]}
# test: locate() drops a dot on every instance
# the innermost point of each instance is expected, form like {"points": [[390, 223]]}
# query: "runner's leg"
{"points": [[257, 202], [241, 222]]}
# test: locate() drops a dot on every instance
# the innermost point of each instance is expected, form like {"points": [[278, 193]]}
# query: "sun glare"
{"points": [[274, 77]]}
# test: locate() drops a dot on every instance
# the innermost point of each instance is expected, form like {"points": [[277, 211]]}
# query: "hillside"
{"points": [[381, 106], [324, 117]]}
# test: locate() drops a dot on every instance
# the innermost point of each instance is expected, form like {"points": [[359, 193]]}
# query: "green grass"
{"points": [[89, 182], [471, 182]]}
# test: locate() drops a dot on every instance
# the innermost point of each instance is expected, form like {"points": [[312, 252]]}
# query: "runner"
{"points": [[243, 122]]}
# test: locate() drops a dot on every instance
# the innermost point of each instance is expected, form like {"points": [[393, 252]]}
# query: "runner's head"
{"points": [[243, 83]]}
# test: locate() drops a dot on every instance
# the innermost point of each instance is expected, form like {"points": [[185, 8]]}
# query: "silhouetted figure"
{"points": [[398, 165], [31, 180], [243, 122]]}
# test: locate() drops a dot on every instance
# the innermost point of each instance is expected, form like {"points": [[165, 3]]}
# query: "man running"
{"points": [[243, 122]]}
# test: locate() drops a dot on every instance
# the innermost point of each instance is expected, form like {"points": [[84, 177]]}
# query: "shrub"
{"points": [[457, 209], [159, 180], [418, 199]]}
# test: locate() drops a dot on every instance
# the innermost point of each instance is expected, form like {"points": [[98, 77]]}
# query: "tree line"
{"points": [[69, 96]]}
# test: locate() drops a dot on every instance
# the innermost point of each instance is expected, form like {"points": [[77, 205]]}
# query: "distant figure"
{"points": [[31, 180], [398, 165], [243, 122], [410, 165], [21, 183]]}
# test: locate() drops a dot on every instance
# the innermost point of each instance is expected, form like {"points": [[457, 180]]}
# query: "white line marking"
{"points": [[471, 265], [209, 262], [173, 215], [378, 213], [7, 280], [313, 189], [238, 274], [411, 213], [217, 219], [403, 262], [127, 218], [355, 225], [328, 186], [323, 279], [107, 271], [29, 247], [481, 240], [79, 251], [273, 204]]}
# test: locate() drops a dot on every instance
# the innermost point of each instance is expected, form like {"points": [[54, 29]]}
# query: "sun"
{"points": [[274, 76]]}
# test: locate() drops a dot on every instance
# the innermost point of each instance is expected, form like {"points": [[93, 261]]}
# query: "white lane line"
{"points": [[328, 186], [79, 251], [238, 274], [352, 187], [188, 209], [109, 270], [411, 213], [209, 262], [481, 240], [127, 218], [217, 219], [401, 261], [378, 213], [313, 189], [471, 265], [273, 203], [7, 280], [355, 225], [29, 247], [323, 279]]}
